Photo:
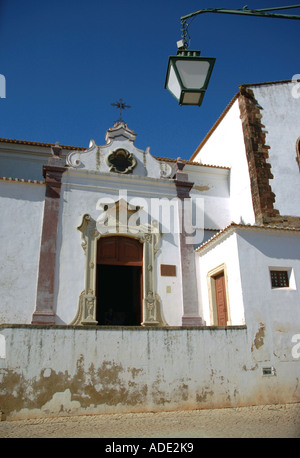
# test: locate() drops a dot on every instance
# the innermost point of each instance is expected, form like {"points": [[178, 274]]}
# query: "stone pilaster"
{"points": [[44, 311], [187, 253]]}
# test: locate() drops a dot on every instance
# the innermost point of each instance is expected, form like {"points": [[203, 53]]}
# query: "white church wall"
{"points": [[212, 185], [20, 238], [248, 256], [23, 161], [225, 147], [169, 288], [221, 257], [22, 167], [280, 112], [81, 194]]}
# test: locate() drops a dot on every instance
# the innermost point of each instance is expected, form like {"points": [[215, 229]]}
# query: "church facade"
{"points": [[114, 206], [110, 238]]}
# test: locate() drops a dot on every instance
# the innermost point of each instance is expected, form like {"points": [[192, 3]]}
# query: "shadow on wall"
{"points": [[280, 246]]}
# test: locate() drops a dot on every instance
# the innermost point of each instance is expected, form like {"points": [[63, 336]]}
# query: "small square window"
{"points": [[268, 371], [279, 279]]}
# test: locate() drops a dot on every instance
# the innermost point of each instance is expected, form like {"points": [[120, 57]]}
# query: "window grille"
{"points": [[279, 278]]}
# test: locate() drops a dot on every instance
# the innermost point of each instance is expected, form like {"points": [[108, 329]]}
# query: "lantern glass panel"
{"points": [[173, 84], [192, 98], [193, 73]]}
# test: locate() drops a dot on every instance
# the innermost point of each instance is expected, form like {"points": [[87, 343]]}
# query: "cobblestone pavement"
{"points": [[270, 421]]}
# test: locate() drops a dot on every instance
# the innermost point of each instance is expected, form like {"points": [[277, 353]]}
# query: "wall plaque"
{"points": [[167, 270]]}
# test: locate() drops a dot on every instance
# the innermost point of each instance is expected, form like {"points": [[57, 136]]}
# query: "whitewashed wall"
{"points": [[79, 196], [24, 161], [225, 147], [248, 255], [223, 254], [272, 315], [280, 112], [56, 370], [281, 118], [21, 206], [213, 186], [276, 309]]}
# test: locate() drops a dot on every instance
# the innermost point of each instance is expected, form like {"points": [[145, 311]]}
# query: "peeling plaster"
{"points": [[59, 392], [259, 337], [52, 371]]}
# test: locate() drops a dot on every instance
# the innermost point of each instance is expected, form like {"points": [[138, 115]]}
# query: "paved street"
{"points": [[271, 421]]}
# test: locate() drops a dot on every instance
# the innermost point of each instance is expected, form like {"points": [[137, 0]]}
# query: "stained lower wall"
{"points": [[62, 370]]}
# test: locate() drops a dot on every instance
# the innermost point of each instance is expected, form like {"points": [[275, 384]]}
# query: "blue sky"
{"points": [[65, 62]]}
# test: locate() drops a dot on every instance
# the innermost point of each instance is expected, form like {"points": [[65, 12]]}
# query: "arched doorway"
{"points": [[119, 281]]}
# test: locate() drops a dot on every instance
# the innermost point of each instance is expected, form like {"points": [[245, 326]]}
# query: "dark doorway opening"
{"points": [[119, 281], [119, 293]]}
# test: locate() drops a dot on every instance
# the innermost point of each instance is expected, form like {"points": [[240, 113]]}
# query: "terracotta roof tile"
{"points": [[43, 145], [80, 148], [21, 180], [190, 162]]}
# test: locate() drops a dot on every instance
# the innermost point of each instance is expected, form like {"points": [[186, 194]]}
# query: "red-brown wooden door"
{"points": [[221, 302], [118, 250]]}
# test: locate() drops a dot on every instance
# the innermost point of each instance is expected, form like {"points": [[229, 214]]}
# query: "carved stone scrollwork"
{"points": [[73, 159], [165, 170], [150, 305], [89, 310], [147, 238], [152, 311]]}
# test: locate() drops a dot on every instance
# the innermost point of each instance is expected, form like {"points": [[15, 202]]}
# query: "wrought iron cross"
{"points": [[121, 106]]}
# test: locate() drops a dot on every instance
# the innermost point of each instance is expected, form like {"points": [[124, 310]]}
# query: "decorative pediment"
{"points": [[122, 217], [118, 132], [119, 156]]}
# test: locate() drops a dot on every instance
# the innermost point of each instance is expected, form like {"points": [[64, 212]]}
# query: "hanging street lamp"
{"points": [[188, 74]]}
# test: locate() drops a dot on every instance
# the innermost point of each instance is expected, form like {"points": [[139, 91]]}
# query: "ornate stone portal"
{"points": [[149, 236]]}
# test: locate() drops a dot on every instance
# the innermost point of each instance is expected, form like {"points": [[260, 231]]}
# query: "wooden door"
{"points": [[118, 250], [221, 302]]}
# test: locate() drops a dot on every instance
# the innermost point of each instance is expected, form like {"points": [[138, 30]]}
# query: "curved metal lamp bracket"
{"points": [[265, 12]]}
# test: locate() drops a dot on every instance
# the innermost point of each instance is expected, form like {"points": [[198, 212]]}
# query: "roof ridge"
{"points": [[266, 83], [215, 125], [227, 108], [189, 162], [46, 145], [233, 225]]}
